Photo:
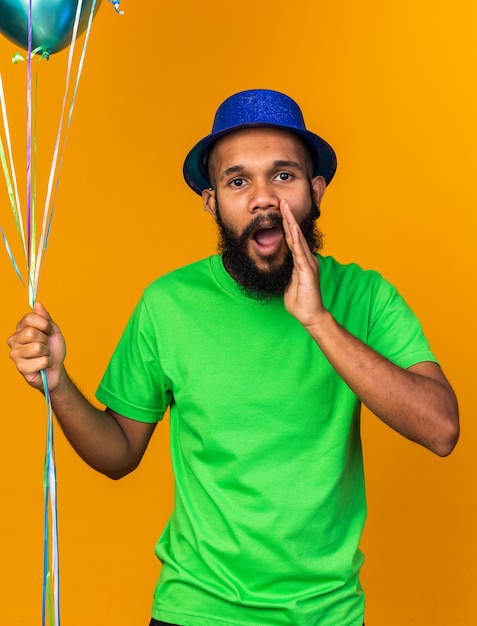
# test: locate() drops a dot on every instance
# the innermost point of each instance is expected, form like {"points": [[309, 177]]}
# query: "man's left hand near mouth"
{"points": [[303, 294]]}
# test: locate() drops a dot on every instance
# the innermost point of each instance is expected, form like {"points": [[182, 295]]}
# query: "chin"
{"points": [[267, 265]]}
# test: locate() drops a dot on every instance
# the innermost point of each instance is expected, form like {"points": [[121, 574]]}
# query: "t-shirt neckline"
{"points": [[230, 285]]}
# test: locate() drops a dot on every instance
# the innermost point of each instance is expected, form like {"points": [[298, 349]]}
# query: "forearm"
{"points": [[108, 442], [95, 434], [417, 402]]}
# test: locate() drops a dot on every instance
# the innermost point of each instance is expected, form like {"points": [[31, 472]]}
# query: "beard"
{"points": [[270, 282]]}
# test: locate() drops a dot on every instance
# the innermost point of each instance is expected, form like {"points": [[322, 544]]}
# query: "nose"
{"points": [[263, 196]]}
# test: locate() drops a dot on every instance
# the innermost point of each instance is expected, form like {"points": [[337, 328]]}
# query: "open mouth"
{"points": [[265, 236], [268, 239]]}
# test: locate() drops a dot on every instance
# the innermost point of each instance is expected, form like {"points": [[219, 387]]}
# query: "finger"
{"points": [[30, 370], [30, 339], [26, 336], [30, 347], [287, 215], [30, 358], [32, 366], [35, 320], [285, 212], [311, 258], [290, 224], [295, 239], [40, 310]]}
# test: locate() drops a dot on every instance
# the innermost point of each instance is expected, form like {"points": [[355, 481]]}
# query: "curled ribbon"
{"points": [[34, 251]]}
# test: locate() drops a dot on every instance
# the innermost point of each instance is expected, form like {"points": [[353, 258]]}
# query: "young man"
{"points": [[263, 354]]}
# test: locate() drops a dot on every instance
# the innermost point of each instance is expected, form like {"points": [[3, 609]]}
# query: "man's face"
{"points": [[251, 171]]}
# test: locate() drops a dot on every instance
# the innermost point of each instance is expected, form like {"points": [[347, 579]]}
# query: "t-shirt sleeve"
{"points": [[134, 385], [394, 330]]}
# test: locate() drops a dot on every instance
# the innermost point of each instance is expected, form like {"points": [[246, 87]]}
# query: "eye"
{"points": [[284, 176], [237, 182]]}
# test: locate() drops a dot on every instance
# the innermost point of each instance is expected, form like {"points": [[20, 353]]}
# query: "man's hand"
{"points": [[418, 402], [38, 345], [303, 294], [107, 441]]}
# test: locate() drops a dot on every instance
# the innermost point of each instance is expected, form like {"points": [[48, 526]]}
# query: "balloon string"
{"points": [[29, 243], [51, 586], [48, 207], [10, 254], [51, 568], [11, 188], [33, 182], [51, 589], [31, 214], [50, 596], [49, 210]]}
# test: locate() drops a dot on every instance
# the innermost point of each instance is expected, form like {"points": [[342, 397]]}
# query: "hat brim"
{"points": [[195, 164]]}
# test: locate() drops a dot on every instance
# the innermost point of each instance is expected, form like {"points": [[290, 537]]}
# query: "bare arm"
{"points": [[417, 402], [107, 441]]}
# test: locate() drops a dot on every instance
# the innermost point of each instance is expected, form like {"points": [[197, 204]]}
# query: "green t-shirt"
{"points": [[265, 444]]}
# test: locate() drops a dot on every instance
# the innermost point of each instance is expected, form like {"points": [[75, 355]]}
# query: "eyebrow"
{"points": [[292, 164], [235, 169]]}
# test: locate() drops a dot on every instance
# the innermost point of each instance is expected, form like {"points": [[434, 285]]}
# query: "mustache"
{"points": [[267, 220]]}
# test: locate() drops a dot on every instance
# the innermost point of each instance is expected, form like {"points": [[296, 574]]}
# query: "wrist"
{"points": [[58, 384], [320, 326]]}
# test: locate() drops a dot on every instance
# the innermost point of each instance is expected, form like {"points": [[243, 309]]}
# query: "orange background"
{"points": [[393, 88]]}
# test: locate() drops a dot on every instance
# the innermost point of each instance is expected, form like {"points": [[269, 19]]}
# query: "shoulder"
{"points": [[184, 277], [353, 293], [334, 272]]}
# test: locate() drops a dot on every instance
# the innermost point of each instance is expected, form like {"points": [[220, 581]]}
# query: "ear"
{"points": [[210, 205], [319, 187]]}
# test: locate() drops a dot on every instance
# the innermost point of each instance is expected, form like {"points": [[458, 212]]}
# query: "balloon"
{"points": [[52, 22]]}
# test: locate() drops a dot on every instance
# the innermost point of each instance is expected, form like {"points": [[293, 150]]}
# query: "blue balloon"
{"points": [[52, 22]]}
